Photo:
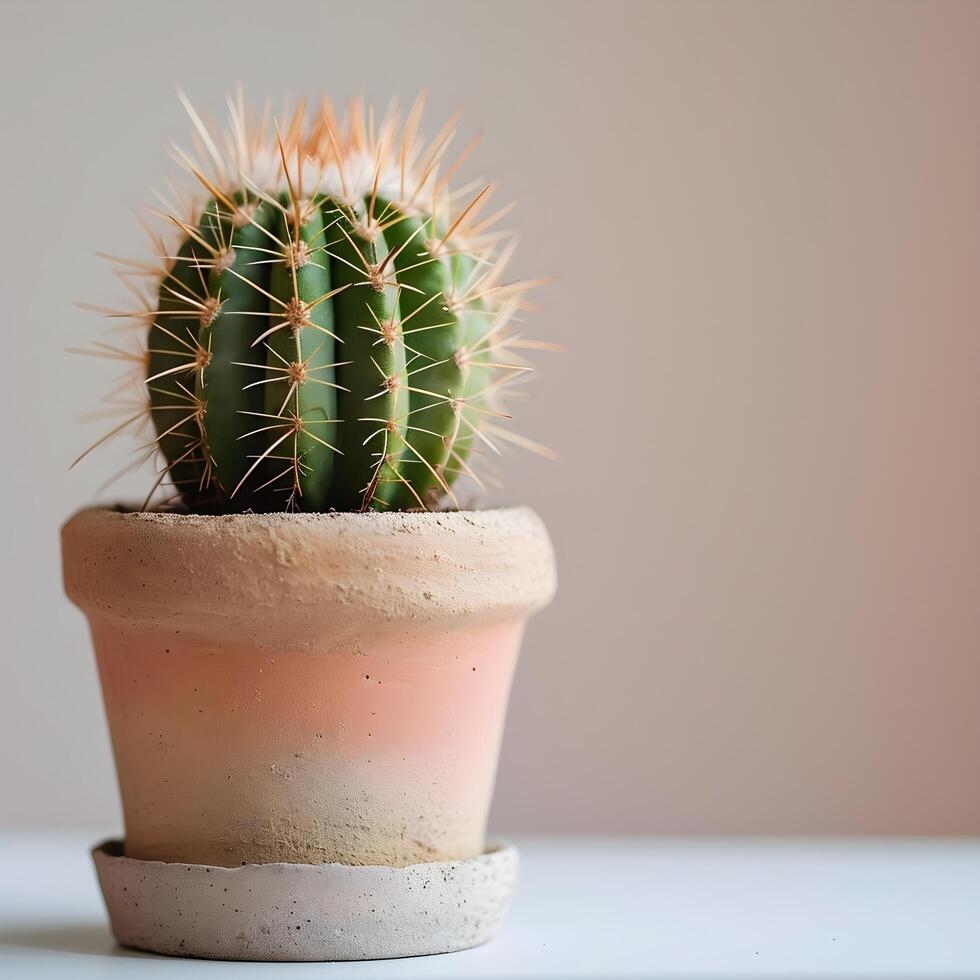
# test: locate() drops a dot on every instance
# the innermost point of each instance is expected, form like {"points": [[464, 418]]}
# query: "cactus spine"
{"points": [[331, 328]]}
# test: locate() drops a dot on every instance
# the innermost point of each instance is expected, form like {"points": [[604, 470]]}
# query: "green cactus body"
{"points": [[474, 356], [305, 389], [329, 350], [432, 336], [373, 376], [224, 386], [175, 361], [298, 339]]}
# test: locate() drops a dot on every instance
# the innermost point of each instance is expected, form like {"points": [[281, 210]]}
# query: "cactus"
{"points": [[331, 328]]}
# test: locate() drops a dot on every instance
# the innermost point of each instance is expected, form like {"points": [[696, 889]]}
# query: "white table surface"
{"points": [[589, 907]]}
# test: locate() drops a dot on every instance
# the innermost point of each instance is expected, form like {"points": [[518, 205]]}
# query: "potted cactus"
{"points": [[305, 646]]}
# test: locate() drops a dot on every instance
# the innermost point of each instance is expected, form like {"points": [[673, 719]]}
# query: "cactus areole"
{"points": [[328, 324]]}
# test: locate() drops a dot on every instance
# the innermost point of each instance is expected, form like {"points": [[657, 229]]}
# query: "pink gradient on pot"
{"points": [[381, 750]]}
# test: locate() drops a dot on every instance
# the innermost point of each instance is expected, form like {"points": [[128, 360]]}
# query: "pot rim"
{"points": [[354, 570]]}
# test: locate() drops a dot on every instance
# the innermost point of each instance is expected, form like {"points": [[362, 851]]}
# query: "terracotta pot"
{"points": [[306, 688]]}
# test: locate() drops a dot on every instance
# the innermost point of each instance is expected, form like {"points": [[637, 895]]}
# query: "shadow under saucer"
{"points": [[86, 939]]}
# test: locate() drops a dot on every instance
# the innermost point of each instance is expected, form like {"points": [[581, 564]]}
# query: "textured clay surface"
{"points": [[305, 912], [306, 688], [362, 570], [381, 751]]}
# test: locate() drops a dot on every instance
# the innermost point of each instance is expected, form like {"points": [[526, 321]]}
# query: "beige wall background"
{"points": [[764, 220]]}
